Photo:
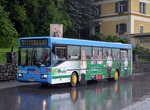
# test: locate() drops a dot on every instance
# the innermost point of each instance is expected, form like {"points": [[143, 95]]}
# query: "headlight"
{"points": [[44, 76], [20, 75]]}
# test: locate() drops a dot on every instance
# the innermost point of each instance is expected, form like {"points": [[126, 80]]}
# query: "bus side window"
{"points": [[124, 55], [116, 54], [73, 52], [86, 53], [129, 54], [60, 52], [97, 56], [104, 53]]}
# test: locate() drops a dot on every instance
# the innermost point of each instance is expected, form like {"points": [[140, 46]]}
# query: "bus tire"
{"points": [[74, 79], [116, 75]]}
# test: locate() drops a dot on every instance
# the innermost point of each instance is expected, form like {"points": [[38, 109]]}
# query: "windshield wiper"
{"points": [[38, 64], [33, 59], [26, 60]]}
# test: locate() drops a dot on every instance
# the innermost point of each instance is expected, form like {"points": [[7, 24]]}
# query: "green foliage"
{"points": [[81, 13], [52, 12], [30, 18], [140, 50], [142, 54], [33, 17], [109, 38], [7, 31], [3, 54]]}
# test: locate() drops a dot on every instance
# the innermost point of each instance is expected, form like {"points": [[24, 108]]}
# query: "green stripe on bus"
{"points": [[56, 77]]}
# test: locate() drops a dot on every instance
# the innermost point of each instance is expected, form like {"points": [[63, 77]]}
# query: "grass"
{"points": [[4, 50]]}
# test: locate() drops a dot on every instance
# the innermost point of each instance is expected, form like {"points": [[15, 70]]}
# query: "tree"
{"points": [[52, 11], [42, 13], [81, 13], [7, 30], [33, 17]]}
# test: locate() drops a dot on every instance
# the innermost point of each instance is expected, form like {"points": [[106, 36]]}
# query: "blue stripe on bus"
{"points": [[82, 42]]}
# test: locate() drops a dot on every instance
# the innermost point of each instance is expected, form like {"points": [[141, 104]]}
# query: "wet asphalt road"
{"points": [[127, 94]]}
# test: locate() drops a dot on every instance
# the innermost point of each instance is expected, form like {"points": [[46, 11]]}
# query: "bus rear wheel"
{"points": [[74, 79], [116, 76]]}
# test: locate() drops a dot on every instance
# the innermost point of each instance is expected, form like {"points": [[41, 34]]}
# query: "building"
{"points": [[123, 18]]}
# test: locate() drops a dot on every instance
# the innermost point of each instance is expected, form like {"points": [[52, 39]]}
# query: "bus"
{"points": [[54, 60]]}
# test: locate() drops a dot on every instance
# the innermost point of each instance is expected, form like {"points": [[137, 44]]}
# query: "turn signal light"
{"points": [[48, 70]]}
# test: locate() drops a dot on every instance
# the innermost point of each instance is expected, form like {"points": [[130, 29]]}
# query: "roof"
{"points": [[82, 42]]}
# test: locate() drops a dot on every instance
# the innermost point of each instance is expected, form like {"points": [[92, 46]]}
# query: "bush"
{"points": [[109, 38], [7, 31], [142, 53]]}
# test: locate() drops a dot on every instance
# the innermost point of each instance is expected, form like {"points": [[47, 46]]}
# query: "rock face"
{"points": [[8, 70]]}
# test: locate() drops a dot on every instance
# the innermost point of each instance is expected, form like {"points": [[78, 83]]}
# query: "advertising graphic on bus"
{"points": [[62, 60]]}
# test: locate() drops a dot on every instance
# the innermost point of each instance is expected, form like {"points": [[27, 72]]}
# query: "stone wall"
{"points": [[9, 69], [141, 67]]}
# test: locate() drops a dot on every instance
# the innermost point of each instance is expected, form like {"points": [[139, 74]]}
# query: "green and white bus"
{"points": [[62, 60]]}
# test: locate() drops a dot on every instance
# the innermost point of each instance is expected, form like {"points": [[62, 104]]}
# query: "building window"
{"points": [[121, 28], [121, 6], [142, 8], [141, 29], [97, 29], [97, 10]]}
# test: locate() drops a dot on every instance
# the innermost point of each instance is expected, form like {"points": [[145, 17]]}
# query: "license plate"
{"points": [[31, 79]]}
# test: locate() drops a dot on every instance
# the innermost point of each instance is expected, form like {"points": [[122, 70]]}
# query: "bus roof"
{"points": [[83, 42]]}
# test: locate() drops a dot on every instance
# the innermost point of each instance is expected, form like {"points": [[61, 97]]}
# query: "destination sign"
{"points": [[34, 42]]}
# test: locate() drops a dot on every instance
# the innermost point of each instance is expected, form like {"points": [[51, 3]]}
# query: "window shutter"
{"points": [[126, 6], [125, 27], [140, 9], [116, 7], [144, 8], [99, 9], [117, 28]]}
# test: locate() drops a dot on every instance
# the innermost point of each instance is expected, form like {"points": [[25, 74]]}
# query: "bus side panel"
{"points": [[115, 65], [62, 72], [95, 71]]}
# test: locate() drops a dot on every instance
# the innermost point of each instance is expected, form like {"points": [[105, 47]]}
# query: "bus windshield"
{"points": [[34, 57]]}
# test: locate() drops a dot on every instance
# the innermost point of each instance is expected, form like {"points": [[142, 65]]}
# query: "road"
{"points": [[127, 94]]}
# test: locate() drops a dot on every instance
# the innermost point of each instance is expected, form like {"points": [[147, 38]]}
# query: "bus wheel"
{"points": [[116, 76], [74, 79]]}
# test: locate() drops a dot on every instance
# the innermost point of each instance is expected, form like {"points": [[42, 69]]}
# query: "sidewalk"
{"points": [[140, 105], [13, 83]]}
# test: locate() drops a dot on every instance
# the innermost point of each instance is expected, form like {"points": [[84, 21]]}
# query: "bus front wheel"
{"points": [[74, 79]]}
